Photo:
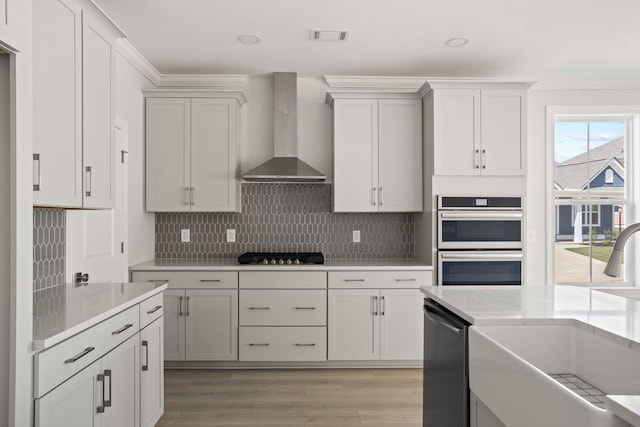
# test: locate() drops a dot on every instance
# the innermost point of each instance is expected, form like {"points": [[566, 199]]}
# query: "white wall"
{"points": [[538, 206], [314, 124], [5, 237], [130, 108]]}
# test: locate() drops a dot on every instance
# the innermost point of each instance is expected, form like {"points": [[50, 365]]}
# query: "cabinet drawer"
{"points": [[380, 279], [283, 307], [283, 279], [189, 279], [151, 309], [56, 364], [285, 344]]}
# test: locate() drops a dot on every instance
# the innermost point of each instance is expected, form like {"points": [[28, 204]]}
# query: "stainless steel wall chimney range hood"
{"points": [[285, 166]]}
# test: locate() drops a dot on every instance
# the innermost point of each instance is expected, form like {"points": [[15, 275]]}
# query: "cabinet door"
{"points": [[9, 23], [355, 155], [120, 367], [73, 403], [456, 124], [174, 321], [400, 155], [151, 374], [168, 156], [401, 324], [503, 133], [214, 172], [353, 324], [57, 102], [98, 154], [211, 324]]}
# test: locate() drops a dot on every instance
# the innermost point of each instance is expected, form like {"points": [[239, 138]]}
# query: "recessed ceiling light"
{"points": [[457, 42], [249, 39], [329, 35]]}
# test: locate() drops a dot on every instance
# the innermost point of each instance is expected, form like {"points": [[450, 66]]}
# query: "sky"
{"points": [[573, 138]]}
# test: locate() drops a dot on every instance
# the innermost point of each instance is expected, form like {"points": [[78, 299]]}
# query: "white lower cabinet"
{"points": [[374, 324], [201, 324], [152, 373], [109, 375], [103, 394]]}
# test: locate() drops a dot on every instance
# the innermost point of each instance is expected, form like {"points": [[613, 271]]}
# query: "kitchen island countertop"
{"points": [[65, 310], [602, 313]]}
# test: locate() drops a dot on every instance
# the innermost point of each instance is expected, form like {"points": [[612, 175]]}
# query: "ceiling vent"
{"points": [[329, 35]]}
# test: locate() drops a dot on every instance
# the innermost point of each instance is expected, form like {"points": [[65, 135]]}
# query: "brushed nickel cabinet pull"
{"points": [[87, 172], [305, 308], [145, 345], [405, 280], [107, 374], [100, 408], [305, 345], [154, 309], [188, 299], [380, 196], [259, 308], [37, 175], [375, 306], [384, 306], [353, 280], [80, 355], [158, 280], [121, 330], [180, 307], [259, 344], [210, 280]]}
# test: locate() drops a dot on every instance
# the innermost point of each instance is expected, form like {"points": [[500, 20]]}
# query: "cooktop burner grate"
{"points": [[281, 258]]}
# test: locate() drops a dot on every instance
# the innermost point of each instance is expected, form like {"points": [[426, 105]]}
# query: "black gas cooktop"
{"points": [[281, 258]]}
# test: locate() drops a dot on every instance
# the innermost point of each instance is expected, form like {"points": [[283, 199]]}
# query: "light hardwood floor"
{"points": [[293, 398]]}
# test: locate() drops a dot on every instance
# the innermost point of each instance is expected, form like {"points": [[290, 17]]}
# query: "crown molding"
{"points": [[211, 82], [483, 83], [375, 83]]}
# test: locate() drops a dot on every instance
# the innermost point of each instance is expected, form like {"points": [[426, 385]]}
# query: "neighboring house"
{"points": [[601, 171]]}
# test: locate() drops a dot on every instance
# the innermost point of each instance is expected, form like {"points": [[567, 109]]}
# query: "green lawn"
{"points": [[599, 252]]}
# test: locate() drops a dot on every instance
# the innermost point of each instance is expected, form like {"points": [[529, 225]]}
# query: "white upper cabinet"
{"points": [[74, 156], [377, 155], [9, 22], [192, 154], [477, 131]]}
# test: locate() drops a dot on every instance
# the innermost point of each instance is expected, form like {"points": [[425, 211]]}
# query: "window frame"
{"points": [[628, 113]]}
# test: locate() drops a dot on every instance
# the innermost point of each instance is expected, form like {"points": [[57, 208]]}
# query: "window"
{"points": [[590, 192]]}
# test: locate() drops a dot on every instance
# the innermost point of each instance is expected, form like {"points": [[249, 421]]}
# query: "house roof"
{"points": [[576, 172]]}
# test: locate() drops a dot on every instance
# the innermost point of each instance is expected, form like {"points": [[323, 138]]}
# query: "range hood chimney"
{"points": [[285, 166]]}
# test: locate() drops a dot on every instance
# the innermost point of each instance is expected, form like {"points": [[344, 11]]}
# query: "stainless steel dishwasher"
{"points": [[446, 372]]}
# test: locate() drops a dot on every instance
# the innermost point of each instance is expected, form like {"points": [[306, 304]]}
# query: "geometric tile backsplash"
{"points": [[49, 237], [286, 217]]}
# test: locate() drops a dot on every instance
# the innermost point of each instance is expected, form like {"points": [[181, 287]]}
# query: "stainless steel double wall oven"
{"points": [[480, 240]]}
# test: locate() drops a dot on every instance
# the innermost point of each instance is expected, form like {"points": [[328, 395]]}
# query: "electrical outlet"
{"points": [[185, 235], [356, 236], [231, 235]]}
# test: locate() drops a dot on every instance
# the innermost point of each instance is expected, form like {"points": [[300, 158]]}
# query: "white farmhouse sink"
{"points": [[510, 368]]}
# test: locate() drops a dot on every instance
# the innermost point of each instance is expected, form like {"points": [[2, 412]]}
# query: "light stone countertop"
{"points": [[603, 313], [63, 311], [227, 264]]}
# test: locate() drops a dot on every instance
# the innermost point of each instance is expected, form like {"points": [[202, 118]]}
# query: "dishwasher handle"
{"points": [[438, 316]]}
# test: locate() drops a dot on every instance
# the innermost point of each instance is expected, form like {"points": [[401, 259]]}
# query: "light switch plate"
{"points": [[231, 235], [185, 235], [356, 236]]}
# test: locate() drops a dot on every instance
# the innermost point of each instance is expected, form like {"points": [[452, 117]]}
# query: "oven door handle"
{"points": [[481, 256], [480, 215]]}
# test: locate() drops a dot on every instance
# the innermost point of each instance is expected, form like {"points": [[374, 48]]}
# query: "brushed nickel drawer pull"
{"points": [[405, 280], [375, 305], [188, 312], [100, 409], [259, 308], [305, 308], [80, 355], [154, 309], [259, 344], [121, 330], [180, 306], [305, 345], [158, 280], [210, 280], [353, 280], [107, 374]]}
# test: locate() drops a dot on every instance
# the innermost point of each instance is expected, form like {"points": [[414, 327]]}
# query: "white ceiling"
{"points": [[538, 40]]}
